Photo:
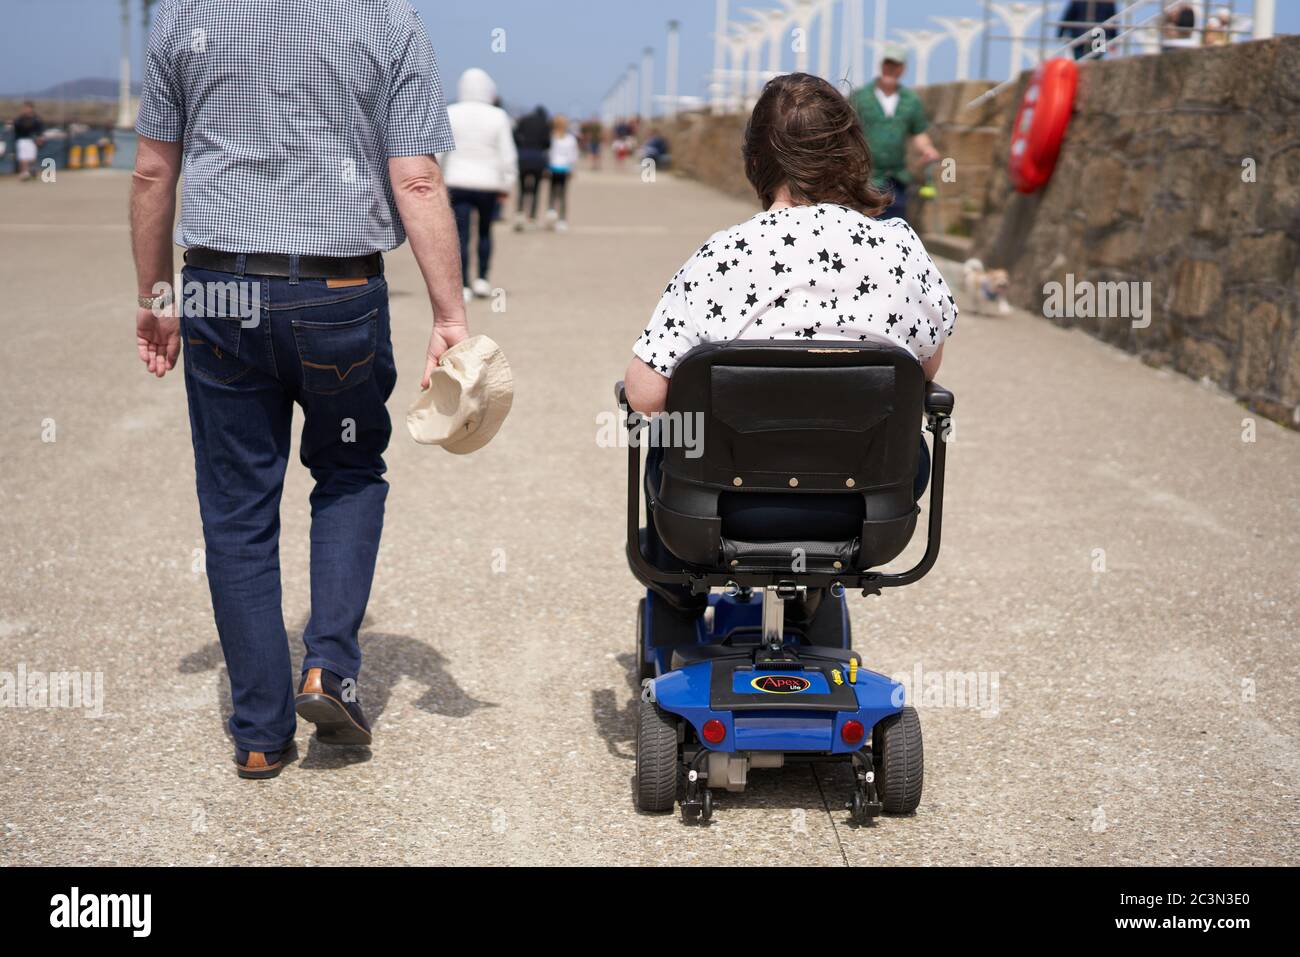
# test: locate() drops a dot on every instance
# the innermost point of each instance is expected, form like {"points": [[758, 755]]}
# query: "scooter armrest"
{"points": [[938, 400]]}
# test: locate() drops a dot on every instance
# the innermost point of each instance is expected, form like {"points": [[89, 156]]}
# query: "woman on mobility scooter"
{"points": [[814, 266]]}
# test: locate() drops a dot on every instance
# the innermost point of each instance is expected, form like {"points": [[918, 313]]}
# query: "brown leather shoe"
{"points": [[322, 701], [259, 765]]}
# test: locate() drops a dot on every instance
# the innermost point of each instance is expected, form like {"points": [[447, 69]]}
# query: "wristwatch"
{"points": [[160, 301]]}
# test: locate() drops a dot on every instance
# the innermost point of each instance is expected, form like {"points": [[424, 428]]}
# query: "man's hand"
{"points": [[445, 335], [925, 146], [158, 339]]}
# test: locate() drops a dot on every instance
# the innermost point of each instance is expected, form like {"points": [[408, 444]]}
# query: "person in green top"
{"points": [[891, 115]]}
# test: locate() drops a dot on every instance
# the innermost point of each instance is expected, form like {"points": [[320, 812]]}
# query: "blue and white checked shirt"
{"points": [[289, 111]]}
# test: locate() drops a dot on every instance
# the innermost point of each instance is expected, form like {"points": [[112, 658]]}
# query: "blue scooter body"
{"points": [[801, 709]]}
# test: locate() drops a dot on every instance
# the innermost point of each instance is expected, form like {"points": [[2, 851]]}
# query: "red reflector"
{"points": [[852, 732], [714, 731]]}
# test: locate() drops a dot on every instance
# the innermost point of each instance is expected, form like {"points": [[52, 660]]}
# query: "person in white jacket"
{"points": [[563, 160], [481, 172]]}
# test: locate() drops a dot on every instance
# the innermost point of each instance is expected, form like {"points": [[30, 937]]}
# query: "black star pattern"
{"points": [[823, 271]]}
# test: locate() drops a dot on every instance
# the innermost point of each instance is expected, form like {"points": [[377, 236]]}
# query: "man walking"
{"points": [[891, 116], [308, 130]]}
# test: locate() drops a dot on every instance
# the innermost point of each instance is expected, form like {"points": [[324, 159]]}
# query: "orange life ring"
{"points": [[1040, 124]]}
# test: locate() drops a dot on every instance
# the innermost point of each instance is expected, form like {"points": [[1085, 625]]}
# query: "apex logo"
{"points": [[780, 684], [102, 910]]}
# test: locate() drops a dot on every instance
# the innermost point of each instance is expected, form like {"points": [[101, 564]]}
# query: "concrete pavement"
{"points": [[1119, 578]]}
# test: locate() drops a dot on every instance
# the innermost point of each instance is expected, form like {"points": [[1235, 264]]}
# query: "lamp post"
{"points": [[738, 50], [753, 63], [124, 70], [630, 92], [826, 13], [800, 13], [717, 86], [1017, 17], [774, 24], [647, 82], [1265, 12], [963, 31], [879, 35], [923, 43], [674, 47]]}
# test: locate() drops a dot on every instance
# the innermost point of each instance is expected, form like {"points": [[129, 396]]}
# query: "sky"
{"points": [[566, 54]]}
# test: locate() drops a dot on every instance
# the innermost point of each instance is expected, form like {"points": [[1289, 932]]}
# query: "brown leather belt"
{"points": [[268, 264]]}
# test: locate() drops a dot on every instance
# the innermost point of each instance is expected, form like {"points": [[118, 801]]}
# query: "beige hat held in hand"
{"points": [[468, 398]]}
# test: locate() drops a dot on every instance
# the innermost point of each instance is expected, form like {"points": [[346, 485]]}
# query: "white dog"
{"points": [[986, 289]]}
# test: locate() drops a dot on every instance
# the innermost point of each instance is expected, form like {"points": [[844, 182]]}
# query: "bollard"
{"points": [[74, 157], [92, 156]]}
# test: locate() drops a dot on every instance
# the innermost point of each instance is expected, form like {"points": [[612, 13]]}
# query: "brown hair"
{"points": [[805, 135]]}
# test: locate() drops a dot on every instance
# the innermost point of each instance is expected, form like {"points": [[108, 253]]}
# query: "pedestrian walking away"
{"points": [[564, 156], [533, 140], [287, 207], [481, 172], [29, 134]]}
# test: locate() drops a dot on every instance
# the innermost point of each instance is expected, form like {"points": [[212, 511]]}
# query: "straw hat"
{"points": [[468, 398]]}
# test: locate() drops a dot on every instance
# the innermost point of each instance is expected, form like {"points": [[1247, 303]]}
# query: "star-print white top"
{"points": [[811, 272]]}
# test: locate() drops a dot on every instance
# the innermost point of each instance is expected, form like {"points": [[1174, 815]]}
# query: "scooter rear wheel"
{"points": [[658, 769], [899, 760]]}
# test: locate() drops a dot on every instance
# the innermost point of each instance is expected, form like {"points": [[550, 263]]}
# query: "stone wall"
{"points": [[1183, 171], [707, 148]]}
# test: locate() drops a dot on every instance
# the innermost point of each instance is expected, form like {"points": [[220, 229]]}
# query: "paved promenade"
{"points": [[1119, 573]]}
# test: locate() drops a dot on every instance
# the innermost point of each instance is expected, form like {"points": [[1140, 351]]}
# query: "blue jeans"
{"points": [[328, 350], [897, 208]]}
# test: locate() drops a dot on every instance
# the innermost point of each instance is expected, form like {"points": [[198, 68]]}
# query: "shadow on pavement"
{"points": [[386, 660]]}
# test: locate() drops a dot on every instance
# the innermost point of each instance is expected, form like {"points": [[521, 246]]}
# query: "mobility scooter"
{"points": [[799, 483]]}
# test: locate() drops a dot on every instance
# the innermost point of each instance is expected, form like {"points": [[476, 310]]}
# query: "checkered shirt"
{"points": [[288, 111]]}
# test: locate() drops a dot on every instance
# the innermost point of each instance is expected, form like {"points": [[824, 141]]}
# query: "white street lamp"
{"points": [[1265, 12], [738, 50], [647, 82], [717, 88], [674, 41], [800, 14], [774, 24], [124, 70], [963, 31], [879, 34], [753, 64], [1017, 17], [922, 43], [826, 11]]}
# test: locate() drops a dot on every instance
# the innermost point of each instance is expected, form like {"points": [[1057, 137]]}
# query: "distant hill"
{"points": [[86, 88]]}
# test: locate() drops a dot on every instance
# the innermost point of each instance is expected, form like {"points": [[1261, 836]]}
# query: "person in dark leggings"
{"points": [[533, 141], [465, 203]]}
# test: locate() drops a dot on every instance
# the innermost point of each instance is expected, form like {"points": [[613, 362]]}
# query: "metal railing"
{"points": [[1124, 35]]}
